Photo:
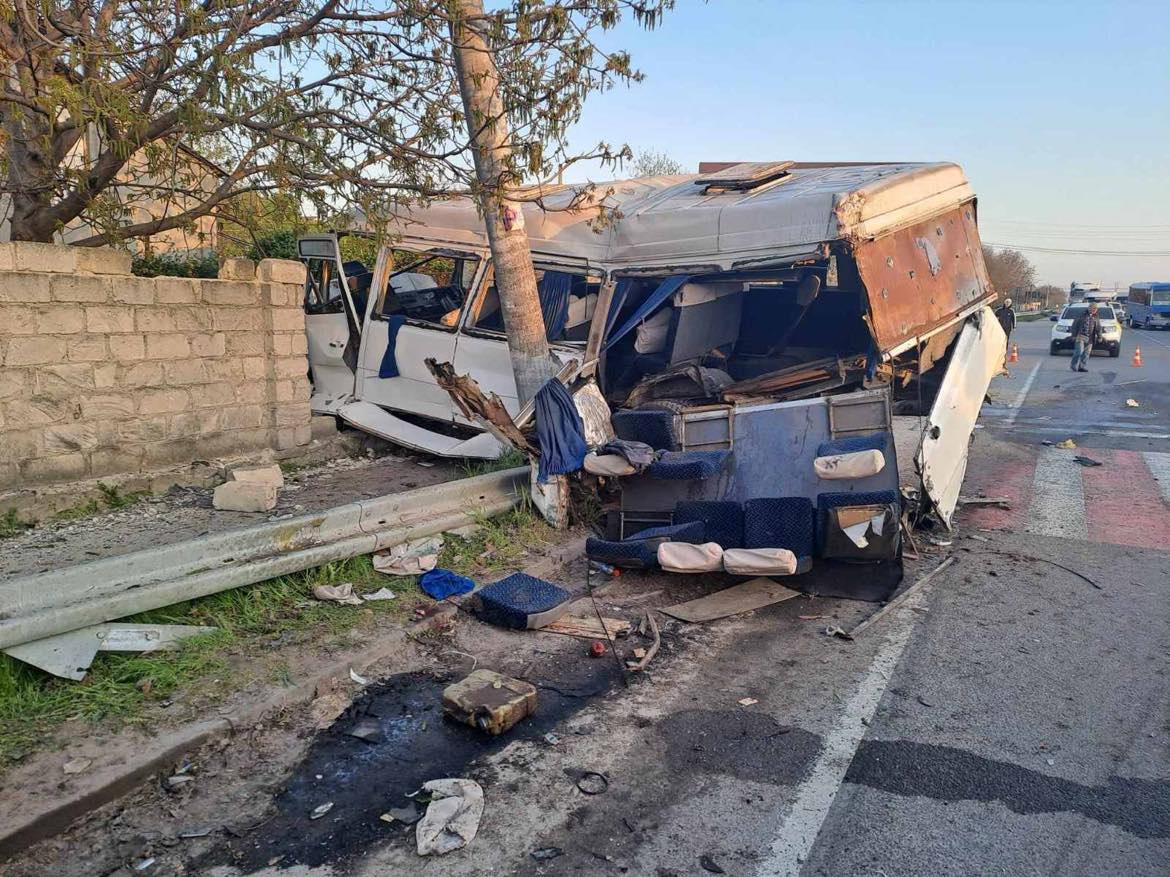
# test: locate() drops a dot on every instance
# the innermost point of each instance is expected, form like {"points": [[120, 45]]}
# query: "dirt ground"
{"points": [[187, 513]]}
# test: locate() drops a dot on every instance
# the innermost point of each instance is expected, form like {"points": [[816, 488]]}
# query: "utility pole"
{"points": [[487, 126]]}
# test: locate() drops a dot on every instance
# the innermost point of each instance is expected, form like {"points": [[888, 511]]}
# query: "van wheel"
{"points": [[1115, 351], [1053, 350]]}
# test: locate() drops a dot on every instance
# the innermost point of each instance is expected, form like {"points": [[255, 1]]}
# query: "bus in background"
{"points": [[1149, 305]]}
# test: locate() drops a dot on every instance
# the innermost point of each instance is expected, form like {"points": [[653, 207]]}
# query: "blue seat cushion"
{"points": [[875, 441], [640, 551], [780, 522], [688, 465], [723, 521], [658, 429], [516, 600]]}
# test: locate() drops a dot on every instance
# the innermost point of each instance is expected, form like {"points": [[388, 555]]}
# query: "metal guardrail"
{"points": [[50, 603]]}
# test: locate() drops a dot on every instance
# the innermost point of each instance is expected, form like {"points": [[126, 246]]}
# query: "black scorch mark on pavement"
{"points": [[741, 743], [901, 767]]}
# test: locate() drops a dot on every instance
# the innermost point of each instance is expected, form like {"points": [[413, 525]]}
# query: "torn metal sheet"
{"points": [[69, 655], [941, 459], [918, 278], [377, 420]]}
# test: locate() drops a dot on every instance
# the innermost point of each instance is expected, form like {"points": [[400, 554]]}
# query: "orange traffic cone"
{"points": [[1137, 357], [1015, 357]]}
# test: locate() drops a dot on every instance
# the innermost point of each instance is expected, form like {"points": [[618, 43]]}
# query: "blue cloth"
{"points": [[620, 293], [559, 431], [389, 366], [554, 289], [442, 583], [779, 522], [722, 520], [665, 290], [688, 465]]}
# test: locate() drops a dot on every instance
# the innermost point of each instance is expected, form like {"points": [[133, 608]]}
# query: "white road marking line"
{"points": [[814, 796], [1115, 433], [1023, 394], [1159, 466], [1079, 427], [1058, 497]]}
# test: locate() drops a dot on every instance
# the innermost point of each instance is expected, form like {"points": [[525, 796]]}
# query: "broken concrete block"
{"points": [[245, 496], [270, 475], [237, 268]]}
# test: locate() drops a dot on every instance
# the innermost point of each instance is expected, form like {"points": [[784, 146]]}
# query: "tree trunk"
{"points": [[488, 129]]}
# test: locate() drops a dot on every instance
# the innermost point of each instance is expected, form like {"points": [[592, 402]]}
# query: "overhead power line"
{"points": [[1076, 252]]}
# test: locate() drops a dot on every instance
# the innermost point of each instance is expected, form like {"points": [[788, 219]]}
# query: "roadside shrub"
{"points": [[280, 244], [176, 265]]}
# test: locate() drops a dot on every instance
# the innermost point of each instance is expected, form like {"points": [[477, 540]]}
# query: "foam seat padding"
{"points": [[688, 465], [686, 557], [658, 429], [608, 465], [851, 466], [759, 562], [722, 520], [780, 522], [520, 602]]}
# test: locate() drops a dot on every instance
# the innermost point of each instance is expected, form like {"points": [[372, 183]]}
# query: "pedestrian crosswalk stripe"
{"points": [[1058, 498]]}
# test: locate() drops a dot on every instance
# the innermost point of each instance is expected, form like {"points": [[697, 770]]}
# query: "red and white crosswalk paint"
{"points": [[1124, 501]]}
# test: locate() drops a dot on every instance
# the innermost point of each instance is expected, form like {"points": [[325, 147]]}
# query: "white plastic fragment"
{"points": [[359, 680], [452, 817]]}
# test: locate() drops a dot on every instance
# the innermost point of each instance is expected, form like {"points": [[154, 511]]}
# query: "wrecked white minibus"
{"points": [[760, 322]]}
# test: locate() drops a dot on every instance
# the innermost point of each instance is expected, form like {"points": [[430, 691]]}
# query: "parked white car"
{"points": [[1110, 329]]}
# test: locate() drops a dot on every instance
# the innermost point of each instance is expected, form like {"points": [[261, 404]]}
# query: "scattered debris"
{"points": [[812, 617], [368, 729], [1048, 443], [893, 604], [143, 864], [922, 700], [408, 815], [410, 558], [1087, 462], [193, 833], [1067, 445], [837, 632], [546, 853], [179, 780], [551, 739], [978, 538], [597, 649], [68, 655], [489, 701], [268, 475], [1001, 501], [342, 593], [941, 543], [592, 783], [604, 568], [244, 496], [76, 765], [452, 817], [707, 863], [750, 595], [647, 655], [1132, 403], [321, 810], [747, 701], [589, 628], [358, 680], [380, 594]]}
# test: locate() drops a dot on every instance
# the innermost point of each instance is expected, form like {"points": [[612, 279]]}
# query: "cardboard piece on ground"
{"points": [[754, 594], [587, 627]]}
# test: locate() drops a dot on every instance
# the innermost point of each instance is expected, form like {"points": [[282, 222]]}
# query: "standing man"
{"points": [[1006, 315], [1086, 331]]}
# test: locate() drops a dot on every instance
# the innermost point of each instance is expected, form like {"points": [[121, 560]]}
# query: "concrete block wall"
{"points": [[105, 374]]}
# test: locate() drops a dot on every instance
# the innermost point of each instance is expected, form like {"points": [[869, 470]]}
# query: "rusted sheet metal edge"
{"points": [[920, 278], [50, 603]]}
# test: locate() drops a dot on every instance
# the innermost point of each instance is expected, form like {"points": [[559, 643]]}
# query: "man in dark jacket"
{"points": [[1086, 331], [1006, 315]]}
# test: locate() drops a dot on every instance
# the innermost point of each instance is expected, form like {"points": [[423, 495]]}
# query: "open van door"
{"points": [[332, 323], [941, 459]]}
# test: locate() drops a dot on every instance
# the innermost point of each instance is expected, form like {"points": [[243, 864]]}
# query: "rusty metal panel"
{"points": [[920, 277]]}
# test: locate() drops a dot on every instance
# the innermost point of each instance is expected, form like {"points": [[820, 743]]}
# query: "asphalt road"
{"points": [[1009, 719]]}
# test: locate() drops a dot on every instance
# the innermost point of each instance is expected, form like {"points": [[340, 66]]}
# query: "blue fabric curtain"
{"points": [[665, 290], [389, 366], [620, 293], [559, 431], [554, 288]]}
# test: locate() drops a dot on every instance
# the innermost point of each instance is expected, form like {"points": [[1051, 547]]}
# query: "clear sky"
{"points": [[1058, 112]]}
